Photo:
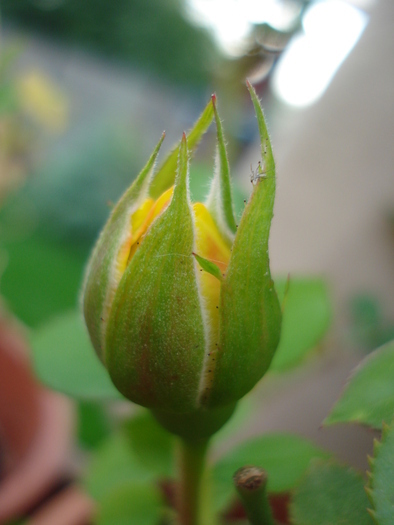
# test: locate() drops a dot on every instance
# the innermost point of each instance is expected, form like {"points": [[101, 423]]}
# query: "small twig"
{"points": [[251, 485]]}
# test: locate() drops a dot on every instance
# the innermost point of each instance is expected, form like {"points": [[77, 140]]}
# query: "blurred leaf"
{"points": [[113, 464], [93, 424], [130, 503], [329, 495], [381, 482], [306, 318], [368, 397], [152, 445], [369, 328], [72, 192], [41, 279], [284, 457], [64, 360]]}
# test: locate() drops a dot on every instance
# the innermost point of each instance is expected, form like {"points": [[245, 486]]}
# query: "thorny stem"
{"points": [[191, 462]]}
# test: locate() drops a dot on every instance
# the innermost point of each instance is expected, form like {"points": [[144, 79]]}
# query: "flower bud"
{"points": [[178, 300]]}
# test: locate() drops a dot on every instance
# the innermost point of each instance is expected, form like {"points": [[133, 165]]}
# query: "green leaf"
{"points": [[209, 266], [64, 360], [113, 464], [130, 503], [220, 201], [306, 318], [330, 495], [93, 424], [152, 445], [42, 277], [284, 457], [381, 482], [165, 176], [368, 397]]}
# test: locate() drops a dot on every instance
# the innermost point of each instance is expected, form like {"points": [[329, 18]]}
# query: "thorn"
{"points": [[248, 84], [385, 428], [372, 513], [213, 97], [369, 493], [183, 137], [164, 133]]}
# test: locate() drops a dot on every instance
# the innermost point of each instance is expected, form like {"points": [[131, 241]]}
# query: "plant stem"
{"points": [[251, 485], [192, 456]]}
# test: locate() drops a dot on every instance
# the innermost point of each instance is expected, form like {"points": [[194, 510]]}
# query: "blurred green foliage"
{"points": [[41, 278], [369, 326], [152, 34]]}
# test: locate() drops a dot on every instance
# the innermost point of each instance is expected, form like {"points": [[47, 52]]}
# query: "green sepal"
{"points": [[165, 176], [220, 201], [103, 259], [155, 339], [209, 266], [250, 313], [266, 148]]}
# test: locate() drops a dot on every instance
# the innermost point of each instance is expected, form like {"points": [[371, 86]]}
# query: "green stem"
{"points": [[251, 485], [192, 456]]}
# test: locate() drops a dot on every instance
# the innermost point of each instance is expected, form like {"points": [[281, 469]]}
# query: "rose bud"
{"points": [[179, 301]]}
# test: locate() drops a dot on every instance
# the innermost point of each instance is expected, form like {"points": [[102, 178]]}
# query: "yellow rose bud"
{"points": [[179, 303]]}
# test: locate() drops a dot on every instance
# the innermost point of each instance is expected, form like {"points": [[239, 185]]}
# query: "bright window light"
{"points": [[232, 20], [306, 68]]}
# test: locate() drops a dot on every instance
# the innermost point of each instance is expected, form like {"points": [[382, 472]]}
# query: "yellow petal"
{"points": [[210, 245], [140, 221]]}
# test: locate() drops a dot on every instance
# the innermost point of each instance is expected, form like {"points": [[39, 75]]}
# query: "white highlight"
{"points": [[331, 30], [232, 20]]}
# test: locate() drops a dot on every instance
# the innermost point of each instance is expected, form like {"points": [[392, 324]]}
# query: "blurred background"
{"points": [[86, 89]]}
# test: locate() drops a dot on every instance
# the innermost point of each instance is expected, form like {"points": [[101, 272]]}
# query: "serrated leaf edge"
{"points": [[369, 488]]}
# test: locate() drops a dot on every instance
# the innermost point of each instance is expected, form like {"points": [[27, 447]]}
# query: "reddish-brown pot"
{"points": [[35, 430]]}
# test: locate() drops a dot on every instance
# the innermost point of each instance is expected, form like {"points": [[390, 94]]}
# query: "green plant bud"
{"points": [[179, 303]]}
